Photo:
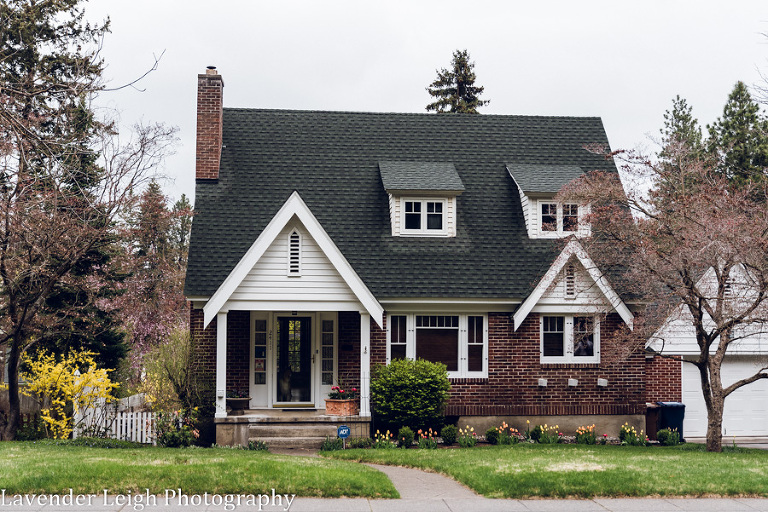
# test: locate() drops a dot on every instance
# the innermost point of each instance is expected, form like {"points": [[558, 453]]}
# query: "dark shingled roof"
{"points": [[332, 160], [544, 178], [401, 176]]}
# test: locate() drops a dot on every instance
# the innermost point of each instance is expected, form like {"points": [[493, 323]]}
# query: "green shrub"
{"points": [[330, 445], [410, 393], [405, 437], [448, 434], [668, 437], [492, 435], [32, 429], [176, 429], [360, 442]]}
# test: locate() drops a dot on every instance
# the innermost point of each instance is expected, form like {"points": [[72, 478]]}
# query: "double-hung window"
{"points": [[424, 216], [558, 218], [460, 342], [570, 338]]}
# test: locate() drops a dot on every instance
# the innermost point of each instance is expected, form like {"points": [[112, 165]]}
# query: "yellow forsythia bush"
{"points": [[54, 378]]}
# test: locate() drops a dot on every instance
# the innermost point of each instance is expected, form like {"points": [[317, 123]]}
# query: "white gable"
{"points": [[593, 292], [276, 293], [585, 290], [269, 281]]}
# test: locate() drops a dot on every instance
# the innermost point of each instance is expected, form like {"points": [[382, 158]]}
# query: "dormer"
{"points": [[544, 217], [422, 197]]}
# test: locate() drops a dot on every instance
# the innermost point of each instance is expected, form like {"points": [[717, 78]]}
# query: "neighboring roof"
{"points": [[543, 178], [332, 160], [413, 176]]}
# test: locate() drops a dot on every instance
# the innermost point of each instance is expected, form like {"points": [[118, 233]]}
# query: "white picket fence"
{"points": [[115, 420]]}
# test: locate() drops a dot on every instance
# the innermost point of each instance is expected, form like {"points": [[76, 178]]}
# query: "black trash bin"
{"points": [[671, 416]]}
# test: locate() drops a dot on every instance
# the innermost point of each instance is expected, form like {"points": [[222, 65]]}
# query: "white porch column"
{"points": [[221, 365], [365, 364]]}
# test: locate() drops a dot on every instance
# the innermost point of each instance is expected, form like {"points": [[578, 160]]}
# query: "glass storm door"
{"points": [[293, 360]]}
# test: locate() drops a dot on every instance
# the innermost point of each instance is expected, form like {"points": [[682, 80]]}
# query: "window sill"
{"points": [[570, 364]]}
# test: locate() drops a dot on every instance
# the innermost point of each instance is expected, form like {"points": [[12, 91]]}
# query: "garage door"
{"points": [[746, 410]]}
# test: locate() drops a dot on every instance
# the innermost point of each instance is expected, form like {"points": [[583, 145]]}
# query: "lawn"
{"points": [[528, 470], [27, 467]]}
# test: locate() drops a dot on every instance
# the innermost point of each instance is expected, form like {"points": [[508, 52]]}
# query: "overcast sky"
{"points": [[621, 61]]}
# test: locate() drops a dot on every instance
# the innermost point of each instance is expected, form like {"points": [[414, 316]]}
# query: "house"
{"points": [[327, 242], [745, 413]]}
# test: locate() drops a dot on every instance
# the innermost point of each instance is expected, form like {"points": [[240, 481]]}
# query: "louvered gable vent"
{"points": [[294, 254]]}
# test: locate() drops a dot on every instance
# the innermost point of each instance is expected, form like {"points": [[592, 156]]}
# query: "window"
{"points": [[560, 219], [568, 338], [424, 217], [460, 342]]}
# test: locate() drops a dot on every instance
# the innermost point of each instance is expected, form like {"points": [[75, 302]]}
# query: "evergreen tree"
{"points": [[682, 145], [738, 141], [455, 88], [57, 203]]}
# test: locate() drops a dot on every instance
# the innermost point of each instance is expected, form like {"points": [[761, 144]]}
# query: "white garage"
{"points": [[746, 409]]}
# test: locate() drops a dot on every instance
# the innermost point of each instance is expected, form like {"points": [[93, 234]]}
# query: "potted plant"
{"points": [[238, 400], [342, 402]]}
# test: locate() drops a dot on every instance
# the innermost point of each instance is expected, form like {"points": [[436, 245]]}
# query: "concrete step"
{"points": [[268, 430], [310, 443]]}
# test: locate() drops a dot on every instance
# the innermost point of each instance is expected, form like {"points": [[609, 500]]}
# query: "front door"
{"points": [[293, 361]]}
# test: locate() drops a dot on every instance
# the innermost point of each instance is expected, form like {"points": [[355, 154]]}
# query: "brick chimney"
{"points": [[210, 88]]}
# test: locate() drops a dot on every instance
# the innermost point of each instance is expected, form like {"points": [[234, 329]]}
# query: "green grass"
{"points": [[27, 467], [525, 471]]}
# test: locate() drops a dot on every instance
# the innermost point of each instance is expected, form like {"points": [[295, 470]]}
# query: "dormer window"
{"points": [[423, 216], [559, 218], [422, 197]]}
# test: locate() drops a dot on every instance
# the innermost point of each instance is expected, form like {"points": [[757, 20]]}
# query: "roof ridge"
{"points": [[412, 114]]}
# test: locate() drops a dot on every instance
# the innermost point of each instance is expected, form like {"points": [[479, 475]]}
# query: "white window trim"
{"points": [[410, 342], [559, 232], [568, 356], [423, 231]]}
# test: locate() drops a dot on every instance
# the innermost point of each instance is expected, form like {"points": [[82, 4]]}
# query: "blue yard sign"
{"points": [[343, 432]]}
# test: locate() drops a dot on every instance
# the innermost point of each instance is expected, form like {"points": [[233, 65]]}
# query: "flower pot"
{"points": [[238, 405], [346, 407]]}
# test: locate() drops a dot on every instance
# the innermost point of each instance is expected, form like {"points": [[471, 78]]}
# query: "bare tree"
{"points": [[65, 175], [694, 247]]}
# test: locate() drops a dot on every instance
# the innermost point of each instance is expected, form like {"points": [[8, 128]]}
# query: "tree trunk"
{"points": [[715, 425], [14, 402]]}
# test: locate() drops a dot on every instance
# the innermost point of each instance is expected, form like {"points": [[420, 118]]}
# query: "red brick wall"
{"points": [[238, 348], [210, 88], [663, 380], [514, 368], [204, 346], [349, 349]]}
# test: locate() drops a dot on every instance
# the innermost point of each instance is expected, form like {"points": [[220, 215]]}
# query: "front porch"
{"points": [[283, 365], [286, 428]]}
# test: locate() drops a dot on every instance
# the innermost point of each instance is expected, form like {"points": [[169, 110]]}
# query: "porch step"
{"points": [[307, 443], [265, 431]]}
